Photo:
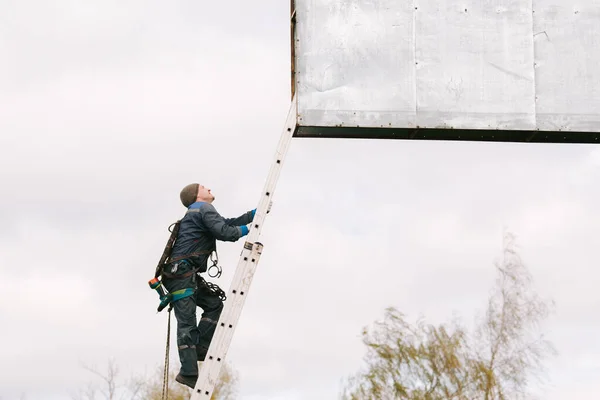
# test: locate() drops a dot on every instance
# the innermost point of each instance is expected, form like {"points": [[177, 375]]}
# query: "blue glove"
{"points": [[245, 230], [268, 209]]}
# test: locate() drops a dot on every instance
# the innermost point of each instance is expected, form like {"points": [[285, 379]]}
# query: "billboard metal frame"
{"points": [[349, 131]]}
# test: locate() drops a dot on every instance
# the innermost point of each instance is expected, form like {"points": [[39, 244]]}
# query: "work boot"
{"points": [[187, 380]]}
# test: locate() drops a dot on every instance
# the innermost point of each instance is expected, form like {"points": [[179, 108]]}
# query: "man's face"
{"points": [[204, 194]]}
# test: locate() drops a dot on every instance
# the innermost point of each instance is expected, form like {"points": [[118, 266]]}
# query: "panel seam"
{"points": [[416, 62], [535, 102]]}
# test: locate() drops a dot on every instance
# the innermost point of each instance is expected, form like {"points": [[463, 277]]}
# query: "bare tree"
{"points": [[508, 350], [111, 388], [427, 362], [151, 388]]}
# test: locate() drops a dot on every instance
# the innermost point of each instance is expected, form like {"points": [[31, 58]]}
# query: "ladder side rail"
{"points": [[247, 264]]}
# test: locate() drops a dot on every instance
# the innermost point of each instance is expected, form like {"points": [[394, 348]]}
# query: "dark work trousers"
{"points": [[193, 339]]}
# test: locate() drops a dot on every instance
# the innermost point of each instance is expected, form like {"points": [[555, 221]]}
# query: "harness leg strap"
{"points": [[180, 294], [174, 296]]}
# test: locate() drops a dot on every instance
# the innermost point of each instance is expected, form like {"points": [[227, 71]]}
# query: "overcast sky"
{"points": [[108, 109]]}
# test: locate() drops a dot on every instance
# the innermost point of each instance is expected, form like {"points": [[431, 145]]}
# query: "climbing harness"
{"points": [[165, 297], [155, 283], [186, 256]]}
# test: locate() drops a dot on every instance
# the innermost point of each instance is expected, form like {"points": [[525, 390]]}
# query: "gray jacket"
{"points": [[201, 227]]}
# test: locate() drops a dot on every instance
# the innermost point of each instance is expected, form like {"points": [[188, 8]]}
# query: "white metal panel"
{"points": [[475, 64], [567, 57], [508, 65], [355, 62]]}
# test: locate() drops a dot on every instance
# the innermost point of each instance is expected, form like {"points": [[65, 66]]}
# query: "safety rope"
{"points": [[165, 392]]}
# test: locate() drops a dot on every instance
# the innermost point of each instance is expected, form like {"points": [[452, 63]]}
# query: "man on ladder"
{"points": [[199, 230]]}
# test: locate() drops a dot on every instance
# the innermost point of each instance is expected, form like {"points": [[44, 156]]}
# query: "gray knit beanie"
{"points": [[188, 194]]}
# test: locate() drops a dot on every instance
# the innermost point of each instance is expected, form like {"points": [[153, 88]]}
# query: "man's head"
{"points": [[195, 192]]}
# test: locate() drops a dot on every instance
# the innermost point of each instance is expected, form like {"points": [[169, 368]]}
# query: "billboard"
{"points": [[500, 70]]}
